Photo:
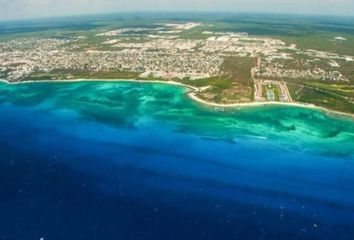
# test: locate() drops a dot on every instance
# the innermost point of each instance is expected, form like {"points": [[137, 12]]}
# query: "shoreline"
{"points": [[192, 94], [260, 104]]}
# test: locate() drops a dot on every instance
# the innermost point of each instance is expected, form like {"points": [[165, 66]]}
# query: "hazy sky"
{"points": [[16, 9]]}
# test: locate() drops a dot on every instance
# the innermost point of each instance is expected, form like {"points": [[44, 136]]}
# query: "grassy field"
{"points": [[345, 90], [335, 100], [62, 75], [234, 84]]}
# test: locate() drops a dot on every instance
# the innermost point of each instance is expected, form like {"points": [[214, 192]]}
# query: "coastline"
{"points": [[260, 104], [192, 94]]}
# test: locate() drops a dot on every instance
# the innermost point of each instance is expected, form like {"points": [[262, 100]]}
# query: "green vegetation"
{"points": [[323, 42], [234, 85], [335, 100], [271, 92], [346, 68], [82, 75], [344, 90]]}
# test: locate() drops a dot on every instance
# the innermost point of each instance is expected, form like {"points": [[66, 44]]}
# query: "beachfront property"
{"points": [[166, 52], [271, 91]]}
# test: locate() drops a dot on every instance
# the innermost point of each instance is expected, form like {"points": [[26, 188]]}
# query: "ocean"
{"points": [[123, 160]]}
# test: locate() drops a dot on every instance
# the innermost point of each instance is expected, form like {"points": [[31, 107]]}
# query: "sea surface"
{"points": [[122, 160]]}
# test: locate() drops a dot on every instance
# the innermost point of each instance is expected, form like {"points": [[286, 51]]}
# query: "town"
{"points": [[163, 52]]}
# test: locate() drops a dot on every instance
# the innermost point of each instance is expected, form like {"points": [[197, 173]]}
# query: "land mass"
{"points": [[224, 67]]}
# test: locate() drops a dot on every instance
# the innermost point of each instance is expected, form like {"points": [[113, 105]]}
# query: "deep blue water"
{"points": [[65, 175]]}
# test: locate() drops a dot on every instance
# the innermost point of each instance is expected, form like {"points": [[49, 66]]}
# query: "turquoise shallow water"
{"points": [[105, 160]]}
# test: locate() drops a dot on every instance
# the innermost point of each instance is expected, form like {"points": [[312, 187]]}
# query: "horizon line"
{"points": [[178, 12]]}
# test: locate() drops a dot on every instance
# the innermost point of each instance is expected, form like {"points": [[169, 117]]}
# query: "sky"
{"points": [[22, 9]]}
